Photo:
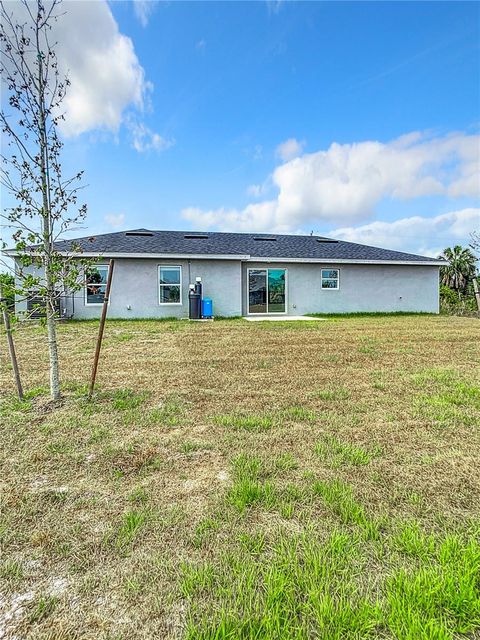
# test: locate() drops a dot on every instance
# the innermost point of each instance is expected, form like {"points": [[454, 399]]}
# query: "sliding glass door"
{"points": [[267, 290]]}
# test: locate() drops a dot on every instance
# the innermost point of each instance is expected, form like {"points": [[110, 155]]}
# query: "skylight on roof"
{"points": [[138, 233], [326, 240], [265, 239], [191, 236]]}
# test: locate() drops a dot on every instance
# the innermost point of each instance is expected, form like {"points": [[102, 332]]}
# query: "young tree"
{"points": [[44, 203], [475, 244], [460, 270]]}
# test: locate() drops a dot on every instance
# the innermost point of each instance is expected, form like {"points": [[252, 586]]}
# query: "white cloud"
{"points": [[289, 149], [426, 236], [200, 45], [115, 220], [144, 139], [143, 10], [105, 74], [255, 217], [344, 184]]}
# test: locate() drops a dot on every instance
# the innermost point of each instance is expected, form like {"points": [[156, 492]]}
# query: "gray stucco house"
{"points": [[248, 274]]}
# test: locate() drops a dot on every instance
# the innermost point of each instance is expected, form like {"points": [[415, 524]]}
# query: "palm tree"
{"points": [[461, 268]]}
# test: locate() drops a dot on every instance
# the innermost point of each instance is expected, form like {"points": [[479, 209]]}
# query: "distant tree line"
{"points": [[459, 278]]}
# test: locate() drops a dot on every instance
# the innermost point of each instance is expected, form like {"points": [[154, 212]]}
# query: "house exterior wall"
{"points": [[382, 288], [375, 287], [135, 284]]}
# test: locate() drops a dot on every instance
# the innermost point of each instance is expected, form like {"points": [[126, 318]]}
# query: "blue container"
{"points": [[207, 308]]}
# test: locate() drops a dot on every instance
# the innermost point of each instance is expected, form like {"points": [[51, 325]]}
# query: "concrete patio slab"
{"points": [[278, 318]]}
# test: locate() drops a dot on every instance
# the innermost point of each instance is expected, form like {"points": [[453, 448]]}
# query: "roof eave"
{"points": [[243, 257], [116, 254], [431, 263]]}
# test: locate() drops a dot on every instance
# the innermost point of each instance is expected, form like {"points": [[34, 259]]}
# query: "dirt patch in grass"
{"points": [[236, 479]]}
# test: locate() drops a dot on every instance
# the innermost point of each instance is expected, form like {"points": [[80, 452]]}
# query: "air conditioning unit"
{"points": [[35, 306]]}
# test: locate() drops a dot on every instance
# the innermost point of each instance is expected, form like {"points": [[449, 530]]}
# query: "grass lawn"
{"points": [[237, 480]]}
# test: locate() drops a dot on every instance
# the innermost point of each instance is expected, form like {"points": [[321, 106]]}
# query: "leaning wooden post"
{"points": [[11, 347], [101, 327]]}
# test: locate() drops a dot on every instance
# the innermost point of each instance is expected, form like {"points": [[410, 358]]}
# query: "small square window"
{"points": [[330, 278]]}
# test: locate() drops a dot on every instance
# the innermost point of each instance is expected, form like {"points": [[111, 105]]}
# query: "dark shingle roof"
{"points": [[143, 241]]}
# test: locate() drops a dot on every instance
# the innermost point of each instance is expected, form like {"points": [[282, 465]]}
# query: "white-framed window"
{"points": [[330, 279], [96, 284], [169, 284]]}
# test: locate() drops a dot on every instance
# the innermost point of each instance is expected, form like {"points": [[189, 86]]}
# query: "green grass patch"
{"points": [[12, 404], [123, 399], [284, 462], [138, 496], [368, 346], [168, 414], [244, 422], [124, 337], [439, 599], [248, 488], [337, 452], [130, 526], [204, 531], [338, 496], [412, 541], [252, 543], [42, 608], [11, 569], [445, 399], [189, 447], [332, 394], [300, 588], [299, 413], [369, 314], [196, 579]]}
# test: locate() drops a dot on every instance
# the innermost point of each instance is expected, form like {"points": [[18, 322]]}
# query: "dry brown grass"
{"points": [[102, 502]]}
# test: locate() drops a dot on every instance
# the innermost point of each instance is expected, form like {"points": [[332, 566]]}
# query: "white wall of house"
{"points": [[135, 289], [382, 288], [362, 288]]}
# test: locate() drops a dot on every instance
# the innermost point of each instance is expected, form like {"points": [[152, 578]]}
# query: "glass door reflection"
{"points": [[266, 290]]}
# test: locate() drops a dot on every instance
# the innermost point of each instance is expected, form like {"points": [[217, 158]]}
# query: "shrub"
{"points": [[7, 286], [457, 303]]}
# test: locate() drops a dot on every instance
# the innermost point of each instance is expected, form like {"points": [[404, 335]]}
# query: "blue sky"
{"points": [[358, 120]]}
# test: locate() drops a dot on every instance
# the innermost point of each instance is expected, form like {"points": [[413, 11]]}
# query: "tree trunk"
{"points": [[53, 354], [50, 293], [50, 311]]}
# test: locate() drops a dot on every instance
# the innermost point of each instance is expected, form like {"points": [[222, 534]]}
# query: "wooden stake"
{"points": [[11, 348], [100, 328]]}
